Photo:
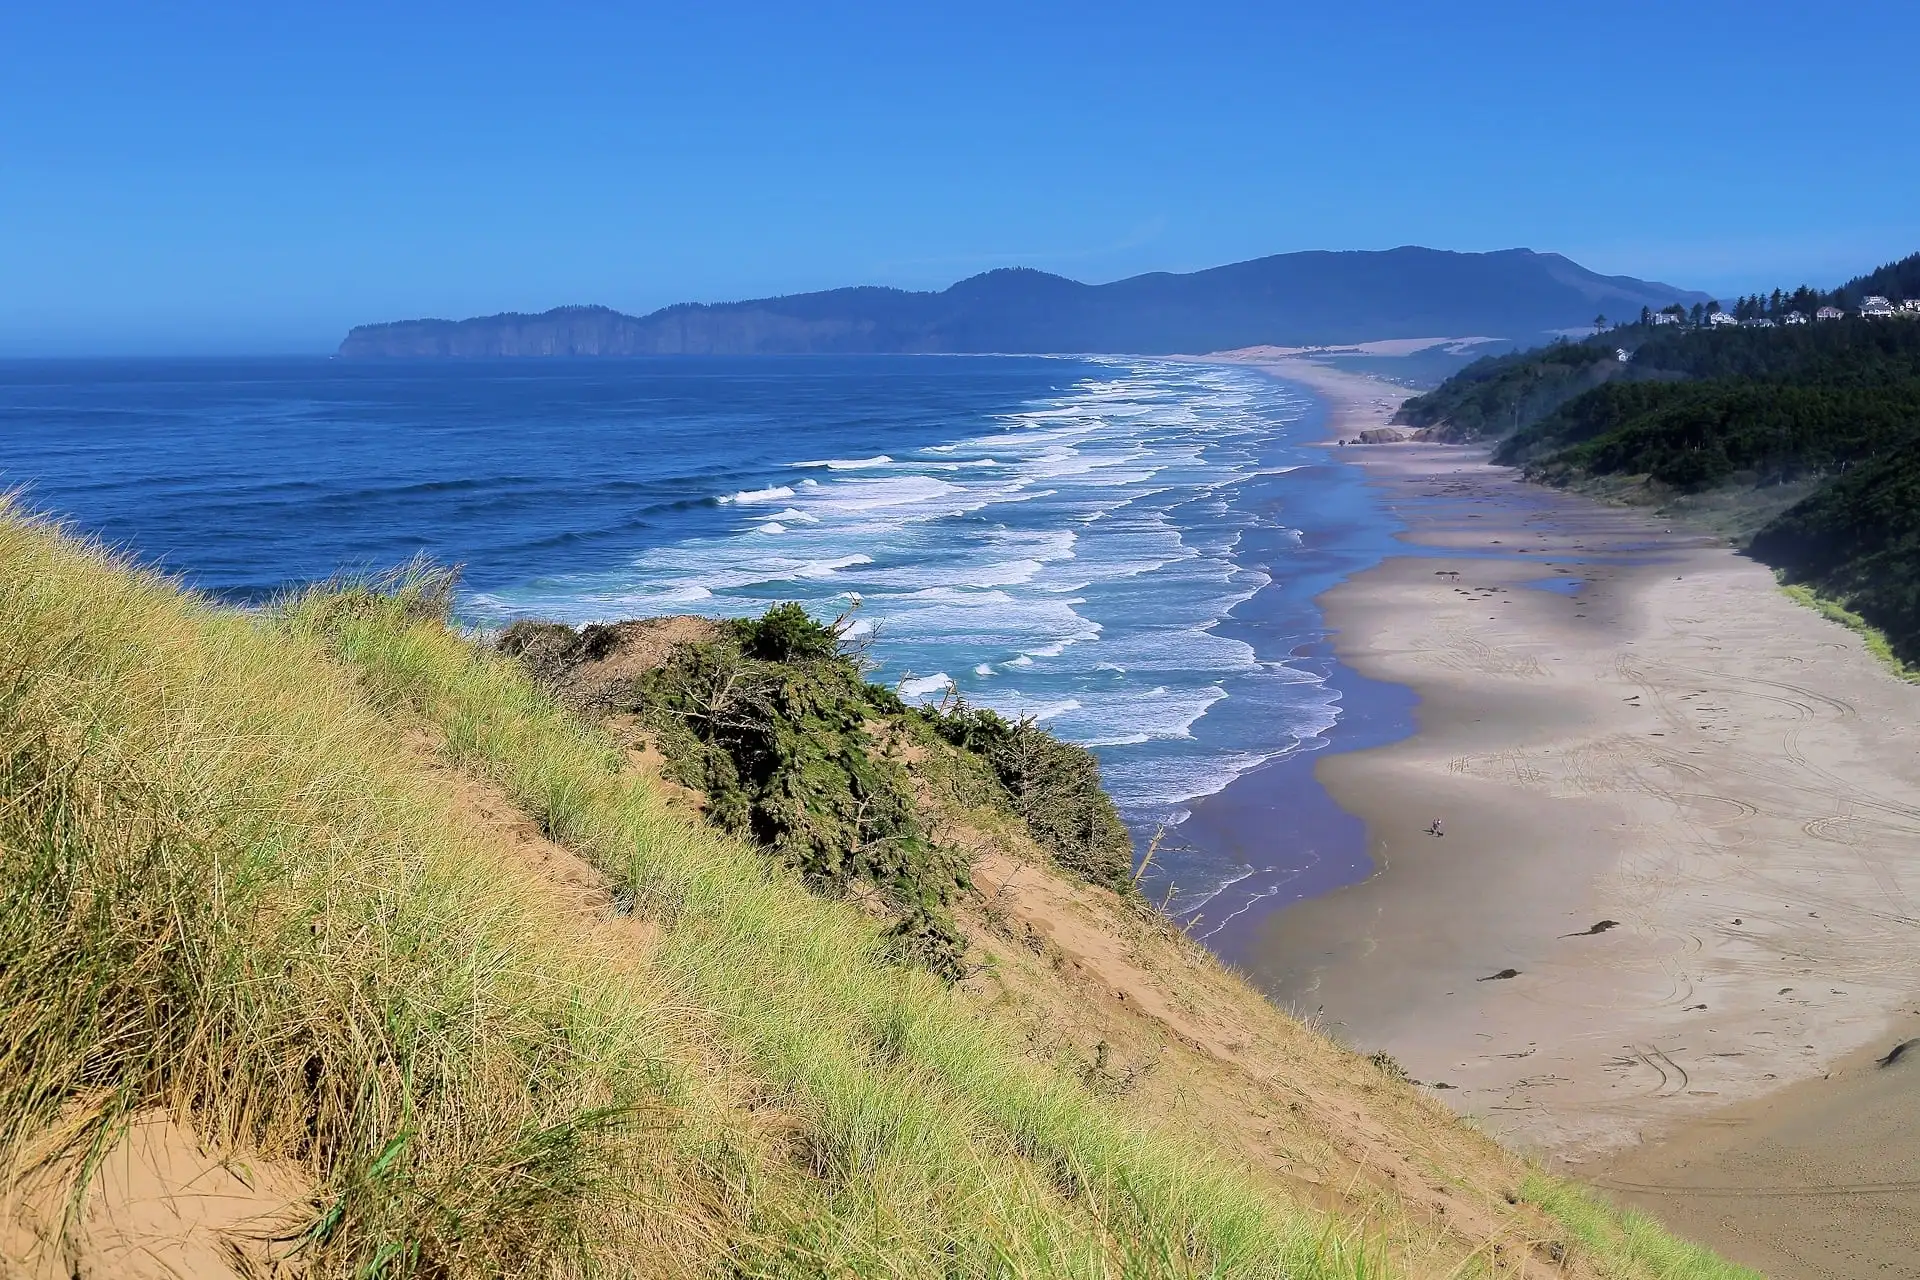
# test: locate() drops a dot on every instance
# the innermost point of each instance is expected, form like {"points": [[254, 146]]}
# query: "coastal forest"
{"points": [[1808, 427]]}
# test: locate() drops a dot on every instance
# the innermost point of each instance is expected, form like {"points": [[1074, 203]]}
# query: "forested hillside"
{"points": [[1829, 404]]}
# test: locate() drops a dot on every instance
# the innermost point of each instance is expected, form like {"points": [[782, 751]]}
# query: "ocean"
{"points": [[1125, 549]]}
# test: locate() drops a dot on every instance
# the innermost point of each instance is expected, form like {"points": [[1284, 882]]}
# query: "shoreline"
{"points": [[1325, 847], [1675, 915]]}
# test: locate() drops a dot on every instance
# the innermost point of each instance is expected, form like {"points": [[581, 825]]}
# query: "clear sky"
{"points": [[258, 177]]}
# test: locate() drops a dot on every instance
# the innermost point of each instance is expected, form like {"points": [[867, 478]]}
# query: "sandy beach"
{"points": [[1673, 921]]}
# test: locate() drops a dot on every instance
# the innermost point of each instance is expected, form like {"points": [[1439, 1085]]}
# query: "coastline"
{"points": [[1673, 919]]}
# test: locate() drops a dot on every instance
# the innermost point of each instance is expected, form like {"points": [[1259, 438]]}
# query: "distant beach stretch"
{"points": [[1680, 813]]}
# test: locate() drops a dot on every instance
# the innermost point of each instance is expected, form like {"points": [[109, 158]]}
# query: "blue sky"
{"points": [[256, 178]]}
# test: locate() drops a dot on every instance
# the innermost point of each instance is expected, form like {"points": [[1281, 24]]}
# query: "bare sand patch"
{"points": [[160, 1205]]}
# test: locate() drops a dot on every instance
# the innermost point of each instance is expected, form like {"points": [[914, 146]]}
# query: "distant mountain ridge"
{"points": [[1287, 300]]}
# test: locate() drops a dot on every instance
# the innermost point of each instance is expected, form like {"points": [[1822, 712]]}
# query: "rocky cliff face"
{"points": [[1288, 299]]}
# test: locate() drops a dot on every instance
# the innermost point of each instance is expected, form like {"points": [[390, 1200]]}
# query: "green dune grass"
{"points": [[236, 888]]}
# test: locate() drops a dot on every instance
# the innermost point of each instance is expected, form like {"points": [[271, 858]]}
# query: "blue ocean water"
{"points": [[1125, 549]]}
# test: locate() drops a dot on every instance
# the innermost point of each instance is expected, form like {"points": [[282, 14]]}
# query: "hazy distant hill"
{"points": [[1287, 299]]}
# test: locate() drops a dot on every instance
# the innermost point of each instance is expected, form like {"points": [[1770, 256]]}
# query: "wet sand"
{"points": [[1820, 1179], [1680, 868]]}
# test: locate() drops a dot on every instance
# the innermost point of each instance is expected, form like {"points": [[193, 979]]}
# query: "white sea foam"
{"points": [[924, 685], [1121, 740], [772, 493], [1022, 706], [772, 526], [849, 464], [872, 495], [827, 568], [1168, 782]]}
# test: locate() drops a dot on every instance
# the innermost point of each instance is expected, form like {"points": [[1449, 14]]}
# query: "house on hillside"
{"points": [[1911, 306], [1722, 318], [1665, 317], [1622, 354], [1758, 322], [1875, 305], [1795, 317], [1829, 313]]}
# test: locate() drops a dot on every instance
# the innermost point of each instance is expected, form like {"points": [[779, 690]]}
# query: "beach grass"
{"points": [[244, 884], [1873, 637], [220, 899]]}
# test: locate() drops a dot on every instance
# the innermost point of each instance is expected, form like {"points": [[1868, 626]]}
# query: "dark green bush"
{"points": [[1054, 786], [773, 721], [781, 748], [785, 633]]}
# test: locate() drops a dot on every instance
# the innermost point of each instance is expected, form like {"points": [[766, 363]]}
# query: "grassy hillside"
{"points": [[1809, 435], [379, 925]]}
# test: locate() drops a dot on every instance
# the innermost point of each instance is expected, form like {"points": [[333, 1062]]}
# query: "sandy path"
{"points": [[1673, 746]]}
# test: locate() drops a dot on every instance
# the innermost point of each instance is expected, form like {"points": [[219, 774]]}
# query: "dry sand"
{"points": [[1680, 869]]}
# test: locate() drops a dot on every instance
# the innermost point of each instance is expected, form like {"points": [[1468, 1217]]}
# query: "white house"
{"points": [[1795, 317], [1665, 317], [1758, 322], [1722, 318], [1829, 313], [1911, 306], [1875, 305], [1622, 354]]}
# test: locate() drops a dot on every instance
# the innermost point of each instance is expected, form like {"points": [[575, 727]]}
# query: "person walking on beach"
{"points": [[1435, 830]]}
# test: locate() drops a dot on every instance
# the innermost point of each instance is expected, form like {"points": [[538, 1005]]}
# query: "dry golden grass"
{"points": [[222, 899]]}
